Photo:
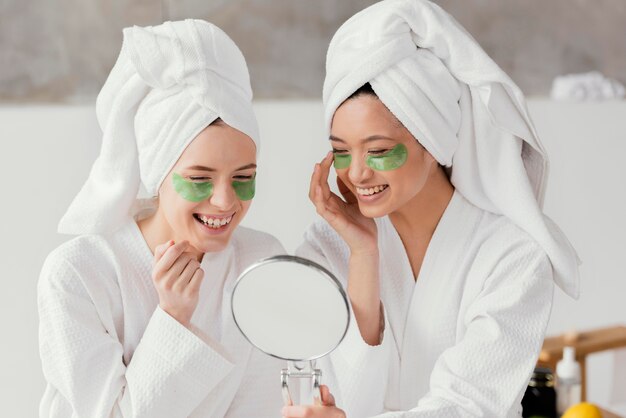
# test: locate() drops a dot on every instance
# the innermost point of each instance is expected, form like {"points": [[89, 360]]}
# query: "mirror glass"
{"points": [[290, 308]]}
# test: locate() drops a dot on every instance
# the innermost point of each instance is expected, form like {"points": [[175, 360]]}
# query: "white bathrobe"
{"points": [[461, 340], [108, 350]]}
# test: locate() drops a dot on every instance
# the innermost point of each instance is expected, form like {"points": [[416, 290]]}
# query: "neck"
{"points": [[418, 218], [156, 230]]}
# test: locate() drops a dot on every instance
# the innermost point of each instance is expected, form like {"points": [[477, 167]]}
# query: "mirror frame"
{"points": [[302, 261]]}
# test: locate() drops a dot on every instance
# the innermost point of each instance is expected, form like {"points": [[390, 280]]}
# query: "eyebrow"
{"points": [[203, 168], [365, 140]]}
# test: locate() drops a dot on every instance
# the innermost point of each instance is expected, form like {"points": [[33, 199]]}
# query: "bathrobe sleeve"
{"points": [[171, 370], [352, 367], [486, 372]]}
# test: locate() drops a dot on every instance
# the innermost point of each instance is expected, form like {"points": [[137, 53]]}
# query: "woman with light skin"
{"points": [[436, 230], [176, 233], [134, 312]]}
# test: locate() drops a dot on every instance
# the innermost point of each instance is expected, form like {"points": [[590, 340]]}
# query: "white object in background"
{"points": [[568, 389], [618, 395], [586, 86]]}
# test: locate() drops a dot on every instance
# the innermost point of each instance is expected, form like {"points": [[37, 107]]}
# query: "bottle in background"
{"points": [[540, 398], [568, 385]]}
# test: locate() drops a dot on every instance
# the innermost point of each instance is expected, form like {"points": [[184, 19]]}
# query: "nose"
{"points": [[223, 197], [359, 172]]}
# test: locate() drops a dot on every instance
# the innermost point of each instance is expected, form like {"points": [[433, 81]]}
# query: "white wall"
{"points": [[47, 152]]}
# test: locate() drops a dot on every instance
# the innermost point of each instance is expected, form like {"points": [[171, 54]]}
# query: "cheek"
{"points": [[408, 179], [176, 209], [245, 205]]}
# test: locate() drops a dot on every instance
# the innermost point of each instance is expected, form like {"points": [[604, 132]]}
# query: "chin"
{"points": [[213, 246], [374, 211], [207, 243]]}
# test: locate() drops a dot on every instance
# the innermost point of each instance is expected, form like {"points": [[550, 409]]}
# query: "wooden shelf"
{"points": [[585, 343]]}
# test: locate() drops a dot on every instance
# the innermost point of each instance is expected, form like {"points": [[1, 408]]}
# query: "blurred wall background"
{"points": [[62, 50], [55, 55]]}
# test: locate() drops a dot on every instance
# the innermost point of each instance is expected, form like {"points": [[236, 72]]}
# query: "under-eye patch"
{"points": [[341, 160], [245, 189], [391, 160], [190, 190]]}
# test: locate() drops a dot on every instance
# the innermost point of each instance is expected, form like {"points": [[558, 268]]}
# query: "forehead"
{"points": [[219, 146], [364, 116]]}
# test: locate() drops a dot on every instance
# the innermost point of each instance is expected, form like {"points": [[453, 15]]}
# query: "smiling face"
{"points": [[209, 190], [387, 166]]}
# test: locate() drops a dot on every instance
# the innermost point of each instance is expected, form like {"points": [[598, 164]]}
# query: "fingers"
{"points": [[324, 172], [321, 207], [180, 283], [301, 411], [160, 250], [327, 398], [177, 277], [320, 177], [314, 181], [346, 192], [296, 411], [326, 410], [180, 264], [170, 256], [195, 282]]}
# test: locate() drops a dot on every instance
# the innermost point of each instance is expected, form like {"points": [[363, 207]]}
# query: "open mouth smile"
{"points": [[214, 222], [371, 190]]}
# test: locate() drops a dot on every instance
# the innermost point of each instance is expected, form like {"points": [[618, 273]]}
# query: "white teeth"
{"points": [[215, 222], [371, 190]]}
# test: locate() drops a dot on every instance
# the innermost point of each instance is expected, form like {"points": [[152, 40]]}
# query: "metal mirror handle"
{"points": [[300, 370]]}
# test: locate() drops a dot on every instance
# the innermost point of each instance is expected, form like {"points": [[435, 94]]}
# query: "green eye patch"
{"points": [[199, 191], [190, 190], [341, 160], [245, 189], [395, 158]]}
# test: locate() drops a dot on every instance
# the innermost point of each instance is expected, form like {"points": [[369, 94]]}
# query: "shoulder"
{"points": [[85, 258], [256, 244], [323, 245], [499, 235], [324, 238], [504, 251], [78, 253]]}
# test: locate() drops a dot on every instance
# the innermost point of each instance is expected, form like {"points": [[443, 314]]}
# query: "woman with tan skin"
{"points": [[438, 235], [135, 312]]}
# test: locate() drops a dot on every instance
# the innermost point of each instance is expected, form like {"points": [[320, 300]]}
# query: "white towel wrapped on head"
{"points": [[456, 101], [169, 83]]}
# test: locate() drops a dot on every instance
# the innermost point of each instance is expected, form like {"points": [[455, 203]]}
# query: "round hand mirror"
{"points": [[293, 309]]}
